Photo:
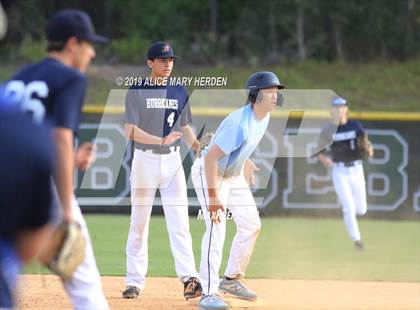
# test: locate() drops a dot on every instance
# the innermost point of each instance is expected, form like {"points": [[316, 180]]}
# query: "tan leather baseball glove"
{"points": [[364, 146], [203, 142], [65, 251]]}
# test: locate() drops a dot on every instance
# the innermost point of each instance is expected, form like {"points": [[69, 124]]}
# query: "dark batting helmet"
{"points": [[260, 80]]}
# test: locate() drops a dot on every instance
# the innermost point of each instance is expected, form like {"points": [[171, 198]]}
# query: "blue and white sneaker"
{"points": [[237, 288], [212, 302]]}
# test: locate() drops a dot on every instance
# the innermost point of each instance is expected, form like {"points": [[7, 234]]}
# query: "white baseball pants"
{"points": [[150, 172], [349, 184], [237, 197], [84, 288]]}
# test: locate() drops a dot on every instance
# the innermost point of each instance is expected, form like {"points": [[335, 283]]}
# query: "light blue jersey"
{"points": [[238, 136]]}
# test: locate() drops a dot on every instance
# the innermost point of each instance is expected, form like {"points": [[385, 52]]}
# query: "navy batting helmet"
{"points": [[260, 80]]}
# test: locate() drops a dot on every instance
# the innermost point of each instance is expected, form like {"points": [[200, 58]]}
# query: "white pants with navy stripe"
{"points": [[84, 288], [150, 172], [349, 184], [237, 197]]}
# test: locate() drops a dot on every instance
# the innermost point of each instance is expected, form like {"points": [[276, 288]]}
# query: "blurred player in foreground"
{"points": [[155, 115], [344, 157], [25, 197], [53, 90], [220, 176]]}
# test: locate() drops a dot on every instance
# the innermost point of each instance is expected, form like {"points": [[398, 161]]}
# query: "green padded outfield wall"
{"points": [[297, 186]]}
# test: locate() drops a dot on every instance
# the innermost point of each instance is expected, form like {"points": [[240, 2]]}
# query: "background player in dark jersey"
{"points": [[345, 159], [25, 197], [53, 90], [154, 118]]}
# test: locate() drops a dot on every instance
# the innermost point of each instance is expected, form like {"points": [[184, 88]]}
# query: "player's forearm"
{"points": [[190, 138], [140, 136], [325, 160], [64, 165], [210, 167]]}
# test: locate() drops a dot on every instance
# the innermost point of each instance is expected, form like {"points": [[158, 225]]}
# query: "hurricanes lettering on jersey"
{"points": [[344, 146], [343, 136], [162, 103]]}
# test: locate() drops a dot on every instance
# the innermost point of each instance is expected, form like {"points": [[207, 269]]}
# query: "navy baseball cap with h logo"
{"points": [[160, 49], [72, 23]]}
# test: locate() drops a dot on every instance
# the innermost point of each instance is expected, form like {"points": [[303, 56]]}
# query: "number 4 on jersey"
{"points": [[171, 119]]}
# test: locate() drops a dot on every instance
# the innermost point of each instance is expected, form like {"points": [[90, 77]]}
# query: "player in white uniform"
{"points": [[345, 160], [154, 118], [220, 183]]}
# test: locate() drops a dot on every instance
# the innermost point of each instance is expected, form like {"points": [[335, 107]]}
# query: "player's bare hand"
{"points": [[216, 210], [249, 170], [85, 156], [172, 137], [328, 163], [370, 150]]}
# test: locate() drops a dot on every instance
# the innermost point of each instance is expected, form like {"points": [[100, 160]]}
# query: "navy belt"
{"points": [[162, 150], [347, 163]]}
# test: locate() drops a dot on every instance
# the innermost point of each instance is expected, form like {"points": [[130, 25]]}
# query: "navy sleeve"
{"points": [[186, 112], [186, 115], [132, 107], [68, 103]]}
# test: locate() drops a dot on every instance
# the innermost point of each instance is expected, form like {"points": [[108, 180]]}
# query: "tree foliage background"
{"points": [[231, 31]]}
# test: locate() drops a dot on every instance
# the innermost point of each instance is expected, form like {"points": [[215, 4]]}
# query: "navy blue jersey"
{"points": [[344, 147], [157, 110], [26, 167], [50, 91]]}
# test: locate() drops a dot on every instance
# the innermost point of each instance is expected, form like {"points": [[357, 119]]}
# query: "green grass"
{"points": [[296, 248]]}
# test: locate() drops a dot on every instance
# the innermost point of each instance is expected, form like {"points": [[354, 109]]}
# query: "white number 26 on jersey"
{"points": [[24, 95], [171, 119]]}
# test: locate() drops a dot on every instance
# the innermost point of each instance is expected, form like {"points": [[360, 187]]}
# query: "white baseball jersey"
{"points": [[238, 136]]}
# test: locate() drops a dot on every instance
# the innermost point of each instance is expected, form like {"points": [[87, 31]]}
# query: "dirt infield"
{"points": [[45, 292]]}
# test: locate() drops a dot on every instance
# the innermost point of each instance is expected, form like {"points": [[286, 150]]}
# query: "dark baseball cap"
{"points": [[160, 49], [72, 23]]}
